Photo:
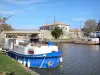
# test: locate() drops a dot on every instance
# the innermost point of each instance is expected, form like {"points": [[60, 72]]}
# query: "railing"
{"points": [[26, 29]]}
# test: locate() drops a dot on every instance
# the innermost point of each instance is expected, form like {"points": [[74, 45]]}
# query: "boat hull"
{"points": [[49, 60]]}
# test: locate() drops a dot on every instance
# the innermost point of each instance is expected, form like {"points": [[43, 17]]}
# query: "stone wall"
{"points": [[66, 35], [2, 38], [46, 34]]}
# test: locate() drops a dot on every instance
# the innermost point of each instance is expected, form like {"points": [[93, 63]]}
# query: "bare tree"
{"points": [[90, 26], [3, 26], [98, 26]]}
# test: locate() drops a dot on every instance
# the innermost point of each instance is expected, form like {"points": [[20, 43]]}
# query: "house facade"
{"points": [[46, 30], [52, 26]]}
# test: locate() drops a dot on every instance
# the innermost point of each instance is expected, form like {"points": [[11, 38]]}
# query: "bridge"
{"points": [[22, 32]]}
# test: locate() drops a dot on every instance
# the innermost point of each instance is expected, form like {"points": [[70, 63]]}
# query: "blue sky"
{"points": [[31, 14]]}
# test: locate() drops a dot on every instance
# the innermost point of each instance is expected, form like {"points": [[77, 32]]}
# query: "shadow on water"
{"points": [[77, 60], [54, 71]]}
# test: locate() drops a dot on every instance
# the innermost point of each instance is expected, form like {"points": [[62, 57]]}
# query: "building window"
{"points": [[40, 28], [65, 28]]}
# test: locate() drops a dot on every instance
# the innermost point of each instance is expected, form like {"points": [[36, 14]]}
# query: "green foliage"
{"points": [[57, 32], [6, 27]]}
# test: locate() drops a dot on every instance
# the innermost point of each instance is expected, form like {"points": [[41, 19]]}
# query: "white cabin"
{"points": [[18, 46], [96, 40]]}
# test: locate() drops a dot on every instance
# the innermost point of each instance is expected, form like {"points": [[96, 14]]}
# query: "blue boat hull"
{"points": [[49, 60]]}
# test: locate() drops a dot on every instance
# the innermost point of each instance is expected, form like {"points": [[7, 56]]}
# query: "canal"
{"points": [[77, 60]]}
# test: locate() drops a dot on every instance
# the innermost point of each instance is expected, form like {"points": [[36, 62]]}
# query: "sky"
{"points": [[31, 14]]}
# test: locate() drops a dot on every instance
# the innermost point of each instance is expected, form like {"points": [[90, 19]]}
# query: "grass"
{"points": [[7, 65]]}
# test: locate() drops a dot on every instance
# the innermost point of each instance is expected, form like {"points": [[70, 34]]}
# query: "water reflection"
{"points": [[77, 60], [95, 47]]}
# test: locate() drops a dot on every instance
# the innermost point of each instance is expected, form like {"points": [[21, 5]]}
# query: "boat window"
{"points": [[20, 43], [30, 52]]}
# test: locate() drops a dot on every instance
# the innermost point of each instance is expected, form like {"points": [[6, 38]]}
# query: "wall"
{"points": [[46, 34], [66, 34]]}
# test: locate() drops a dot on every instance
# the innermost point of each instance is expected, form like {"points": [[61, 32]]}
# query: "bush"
{"points": [[10, 73]]}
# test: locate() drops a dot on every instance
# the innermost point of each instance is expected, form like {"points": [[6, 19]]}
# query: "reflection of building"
{"points": [[52, 26], [46, 30]]}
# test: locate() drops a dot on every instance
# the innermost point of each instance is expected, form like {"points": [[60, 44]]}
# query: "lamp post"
{"points": [[81, 27], [81, 24]]}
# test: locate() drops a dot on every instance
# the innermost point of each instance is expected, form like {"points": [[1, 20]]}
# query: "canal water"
{"points": [[77, 60]]}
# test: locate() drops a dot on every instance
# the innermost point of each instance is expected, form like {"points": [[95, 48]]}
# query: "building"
{"points": [[76, 33], [46, 30], [52, 26]]}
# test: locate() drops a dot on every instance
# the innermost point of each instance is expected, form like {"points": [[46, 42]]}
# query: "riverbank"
{"points": [[9, 65], [75, 41], [86, 42], [61, 40]]}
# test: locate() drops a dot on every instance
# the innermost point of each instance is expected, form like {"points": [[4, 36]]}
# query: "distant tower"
{"points": [[46, 23], [54, 20]]}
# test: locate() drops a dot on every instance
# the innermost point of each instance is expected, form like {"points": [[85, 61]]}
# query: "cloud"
{"points": [[23, 1], [44, 5], [30, 27], [78, 19], [10, 12], [6, 12], [53, 4], [86, 13]]}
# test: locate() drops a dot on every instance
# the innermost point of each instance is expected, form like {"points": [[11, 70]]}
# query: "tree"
{"points": [[98, 26], [57, 32], [5, 27], [90, 26]]}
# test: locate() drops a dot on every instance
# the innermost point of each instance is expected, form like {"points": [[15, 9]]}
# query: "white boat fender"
{"points": [[16, 58], [61, 60], [50, 63], [28, 65], [44, 55], [19, 61], [24, 63]]}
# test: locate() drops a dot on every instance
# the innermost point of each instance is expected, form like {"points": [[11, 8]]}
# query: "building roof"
{"points": [[57, 23]]}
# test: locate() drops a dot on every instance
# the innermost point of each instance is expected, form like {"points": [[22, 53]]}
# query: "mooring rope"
{"points": [[42, 61]]}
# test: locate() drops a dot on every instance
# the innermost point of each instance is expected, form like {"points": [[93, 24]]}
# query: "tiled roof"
{"points": [[57, 23]]}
